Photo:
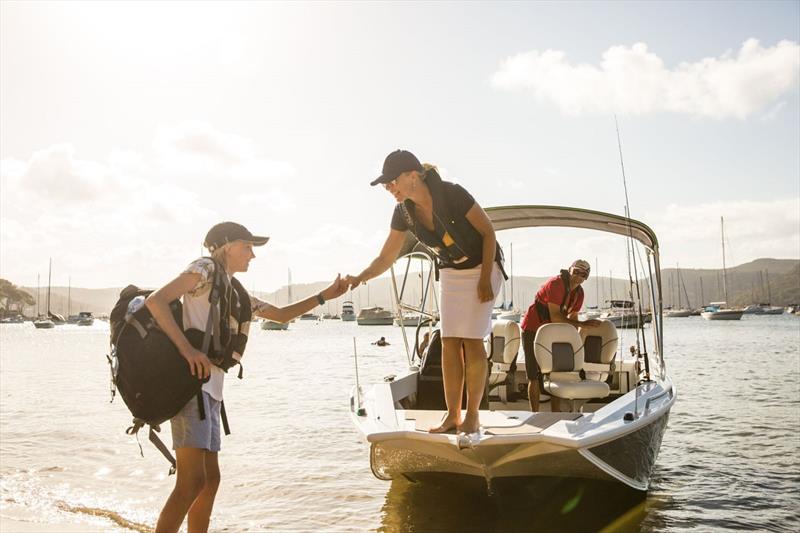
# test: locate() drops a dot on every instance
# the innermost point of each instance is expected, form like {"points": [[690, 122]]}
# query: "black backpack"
{"points": [[150, 374]]}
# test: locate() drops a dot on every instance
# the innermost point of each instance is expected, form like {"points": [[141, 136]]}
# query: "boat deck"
{"points": [[492, 422]]}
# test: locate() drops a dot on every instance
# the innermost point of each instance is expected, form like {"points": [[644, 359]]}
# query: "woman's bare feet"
{"points": [[471, 424], [448, 424]]}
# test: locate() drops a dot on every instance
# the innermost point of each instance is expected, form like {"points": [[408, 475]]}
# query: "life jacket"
{"points": [[462, 244], [150, 374], [541, 307]]}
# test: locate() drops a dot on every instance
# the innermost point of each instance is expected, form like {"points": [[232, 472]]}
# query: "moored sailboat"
{"points": [[720, 310]]}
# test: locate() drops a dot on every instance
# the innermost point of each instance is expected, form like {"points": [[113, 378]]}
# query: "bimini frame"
{"points": [[530, 216]]}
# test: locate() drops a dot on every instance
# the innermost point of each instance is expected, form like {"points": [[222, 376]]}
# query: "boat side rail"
{"points": [[667, 390]]}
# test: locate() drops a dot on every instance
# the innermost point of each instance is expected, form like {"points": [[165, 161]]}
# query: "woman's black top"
{"points": [[454, 240]]}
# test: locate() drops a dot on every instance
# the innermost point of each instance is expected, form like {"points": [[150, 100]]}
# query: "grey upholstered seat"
{"points": [[559, 351]]}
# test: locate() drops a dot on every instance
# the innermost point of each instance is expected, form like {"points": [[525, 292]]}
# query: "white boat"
{"points": [[678, 313], [767, 309], [50, 320], [348, 312], [408, 320], [720, 310], [513, 315], [375, 316], [271, 325], [623, 314], [85, 318], [616, 420]]}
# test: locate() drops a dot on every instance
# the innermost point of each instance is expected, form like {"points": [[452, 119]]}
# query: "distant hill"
{"points": [[751, 282], [776, 281]]}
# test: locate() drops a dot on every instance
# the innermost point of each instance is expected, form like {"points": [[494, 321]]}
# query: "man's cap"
{"points": [[580, 264], [226, 232], [395, 164]]}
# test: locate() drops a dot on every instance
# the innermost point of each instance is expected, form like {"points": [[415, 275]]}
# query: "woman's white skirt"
{"points": [[463, 314]]}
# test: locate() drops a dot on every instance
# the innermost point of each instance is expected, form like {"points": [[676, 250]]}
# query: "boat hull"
{"points": [[722, 315], [376, 321], [270, 325], [629, 458], [679, 313]]}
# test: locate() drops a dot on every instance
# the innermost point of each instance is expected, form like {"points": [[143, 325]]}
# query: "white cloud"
{"points": [[633, 80], [129, 218], [196, 152], [691, 234]]}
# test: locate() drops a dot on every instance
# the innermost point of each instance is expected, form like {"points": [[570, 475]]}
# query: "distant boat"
{"points": [[17, 319], [274, 326], [309, 316], [348, 312], [767, 309], [411, 320], [85, 318], [623, 314], [514, 315], [720, 310], [680, 312], [50, 320], [375, 316]]}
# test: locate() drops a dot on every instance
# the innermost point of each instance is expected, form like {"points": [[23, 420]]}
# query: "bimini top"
{"points": [[527, 216]]}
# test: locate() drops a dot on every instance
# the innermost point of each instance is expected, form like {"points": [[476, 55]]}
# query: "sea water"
{"points": [[294, 461]]}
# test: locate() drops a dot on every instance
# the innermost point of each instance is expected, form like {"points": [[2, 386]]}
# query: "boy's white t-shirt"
{"points": [[195, 315]]}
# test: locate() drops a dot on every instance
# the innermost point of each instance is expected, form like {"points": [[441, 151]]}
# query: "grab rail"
{"points": [[657, 396]]}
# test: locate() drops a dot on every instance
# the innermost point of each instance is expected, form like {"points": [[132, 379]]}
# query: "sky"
{"points": [[128, 129]]}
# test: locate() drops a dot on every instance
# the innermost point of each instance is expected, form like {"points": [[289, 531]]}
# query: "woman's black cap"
{"points": [[395, 164], [226, 232]]}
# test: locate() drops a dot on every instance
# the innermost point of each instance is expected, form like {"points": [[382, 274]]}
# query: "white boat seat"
{"points": [[599, 348], [503, 346], [558, 349]]}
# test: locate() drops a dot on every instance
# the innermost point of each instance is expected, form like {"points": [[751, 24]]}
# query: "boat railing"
{"points": [[651, 399], [428, 289]]}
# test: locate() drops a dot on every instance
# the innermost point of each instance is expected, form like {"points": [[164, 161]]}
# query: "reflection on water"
{"points": [[438, 503]]}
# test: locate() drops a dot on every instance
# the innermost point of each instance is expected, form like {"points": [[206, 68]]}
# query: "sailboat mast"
{"points": [[69, 296], [38, 295], [769, 291], [49, 271], [724, 271], [289, 288]]}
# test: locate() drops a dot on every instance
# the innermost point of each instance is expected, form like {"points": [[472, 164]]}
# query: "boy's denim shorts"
{"points": [[188, 431]]}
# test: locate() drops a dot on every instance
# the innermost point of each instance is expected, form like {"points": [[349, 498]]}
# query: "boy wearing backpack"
{"points": [[196, 428], [558, 300]]}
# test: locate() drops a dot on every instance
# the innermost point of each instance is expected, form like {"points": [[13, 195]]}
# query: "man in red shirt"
{"points": [[558, 300]]}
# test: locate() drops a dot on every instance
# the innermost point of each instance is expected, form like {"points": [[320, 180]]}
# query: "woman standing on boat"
{"points": [[196, 441], [446, 218]]}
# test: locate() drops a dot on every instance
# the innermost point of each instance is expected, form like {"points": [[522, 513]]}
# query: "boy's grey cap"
{"points": [[226, 232]]}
